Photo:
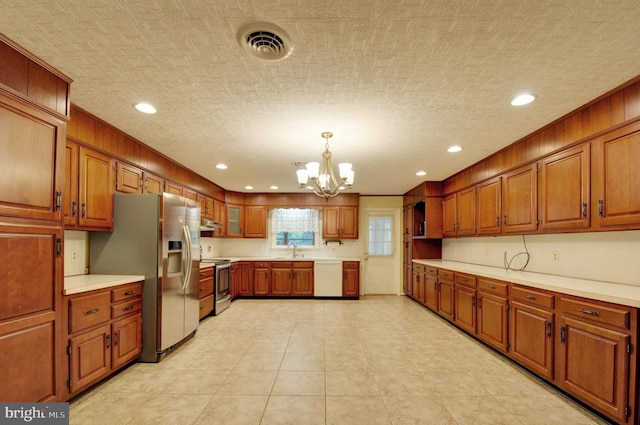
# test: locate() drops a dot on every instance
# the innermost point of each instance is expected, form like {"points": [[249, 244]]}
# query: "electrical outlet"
{"points": [[556, 256], [74, 255], [486, 251], [209, 248]]}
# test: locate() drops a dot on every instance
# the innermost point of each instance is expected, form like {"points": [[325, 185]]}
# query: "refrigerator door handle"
{"points": [[186, 264]]}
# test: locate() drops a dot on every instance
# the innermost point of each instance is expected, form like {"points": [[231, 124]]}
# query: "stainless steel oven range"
{"points": [[221, 283]]}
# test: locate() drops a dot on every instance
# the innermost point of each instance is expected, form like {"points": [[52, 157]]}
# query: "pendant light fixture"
{"points": [[320, 176]]}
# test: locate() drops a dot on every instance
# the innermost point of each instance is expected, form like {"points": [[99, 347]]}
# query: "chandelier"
{"points": [[320, 176]]}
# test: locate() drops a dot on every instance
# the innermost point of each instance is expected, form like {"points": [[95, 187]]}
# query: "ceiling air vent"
{"points": [[265, 41]]}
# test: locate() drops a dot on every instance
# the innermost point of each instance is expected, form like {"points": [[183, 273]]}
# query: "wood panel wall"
{"points": [[614, 109], [85, 128]]}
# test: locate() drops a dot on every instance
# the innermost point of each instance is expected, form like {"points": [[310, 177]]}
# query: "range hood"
{"points": [[206, 224]]}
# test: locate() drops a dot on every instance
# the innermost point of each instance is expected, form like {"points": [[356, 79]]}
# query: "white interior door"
{"points": [[381, 266]]}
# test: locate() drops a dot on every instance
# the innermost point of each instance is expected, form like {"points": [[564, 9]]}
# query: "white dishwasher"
{"points": [[327, 278]]}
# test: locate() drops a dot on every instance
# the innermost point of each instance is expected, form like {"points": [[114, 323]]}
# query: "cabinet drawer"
{"points": [[89, 310], [205, 287], [206, 306], [418, 268], [533, 297], [126, 292], [611, 314], [206, 272], [431, 270], [303, 264], [466, 280], [445, 275], [493, 286], [125, 308], [280, 265], [261, 264]]}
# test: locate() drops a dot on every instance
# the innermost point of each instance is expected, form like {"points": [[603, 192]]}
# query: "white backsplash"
{"points": [[606, 256], [76, 252]]}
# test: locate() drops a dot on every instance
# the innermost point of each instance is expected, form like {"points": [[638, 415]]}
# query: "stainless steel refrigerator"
{"points": [[158, 236]]}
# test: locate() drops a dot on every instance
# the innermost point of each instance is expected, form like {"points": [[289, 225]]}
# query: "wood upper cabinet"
{"points": [[489, 207], [206, 206], [449, 224], [96, 189], [340, 222], [173, 188], [220, 216], [255, 221], [466, 212], [129, 179], [235, 221], [32, 147], [70, 205], [350, 278], [190, 194], [519, 200], [564, 189], [152, 183], [615, 180]]}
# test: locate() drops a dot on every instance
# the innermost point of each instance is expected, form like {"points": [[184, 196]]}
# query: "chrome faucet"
{"points": [[295, 252]]}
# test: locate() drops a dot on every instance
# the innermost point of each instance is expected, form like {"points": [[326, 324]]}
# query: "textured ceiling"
{"points": [[397, 82]]}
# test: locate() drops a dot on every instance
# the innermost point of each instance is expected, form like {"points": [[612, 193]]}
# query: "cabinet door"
{"points": [[563, 189], [32, 147], [235, 218], [489, 207], [466, 212], [493, 320], [585, 348], [449, 224], [418, 286], [70, 197], [531, 338], [30, 313], [220, 216], [465, 308], [190, 194], [350, 279], [261, 281], [255, 221], [245, 279], [331, 223], [97, 186], [519, 200], [126, 339], [281, 281], [129, 178], [446, 299], [152, 183], [616, 180], [302, 282], [349, 222], [90, 357], [431, 292]]}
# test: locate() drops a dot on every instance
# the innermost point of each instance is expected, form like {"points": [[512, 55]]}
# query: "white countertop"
{"points": [[90, 282], [236, 259], [618, 293]]}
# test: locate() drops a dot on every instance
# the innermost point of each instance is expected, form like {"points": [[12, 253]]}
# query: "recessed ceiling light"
{"points": [[221, 166], [147, 108], [421, 173], [523, 99], [274, 187], [249, 187], [453, 149]]}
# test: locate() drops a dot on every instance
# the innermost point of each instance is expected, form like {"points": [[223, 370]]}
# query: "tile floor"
{"points": [[379, 360]]}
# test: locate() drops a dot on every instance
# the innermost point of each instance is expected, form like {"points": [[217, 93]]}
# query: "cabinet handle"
{"points": [[505, 219], [600, 208], [562, 335], [548, 329], [116, 338], [74, 208], [130, 292], [84, 210], [58, 201], [584, 210], [591, 312], [464, 280], [473, 301], [108, 341], [128, 308], [95, 310], [530, 297], [479, 302], [491, 286]]}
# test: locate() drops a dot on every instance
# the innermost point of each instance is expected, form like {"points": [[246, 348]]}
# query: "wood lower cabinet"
{"points": [[292, 278], [302, 279], [446, 298], [465, 302], [104, 333], [493, 313], [205, 291], [431, 288], [245, 279], [597, 337], [261, 278], [417, 292], [351, 279]]}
